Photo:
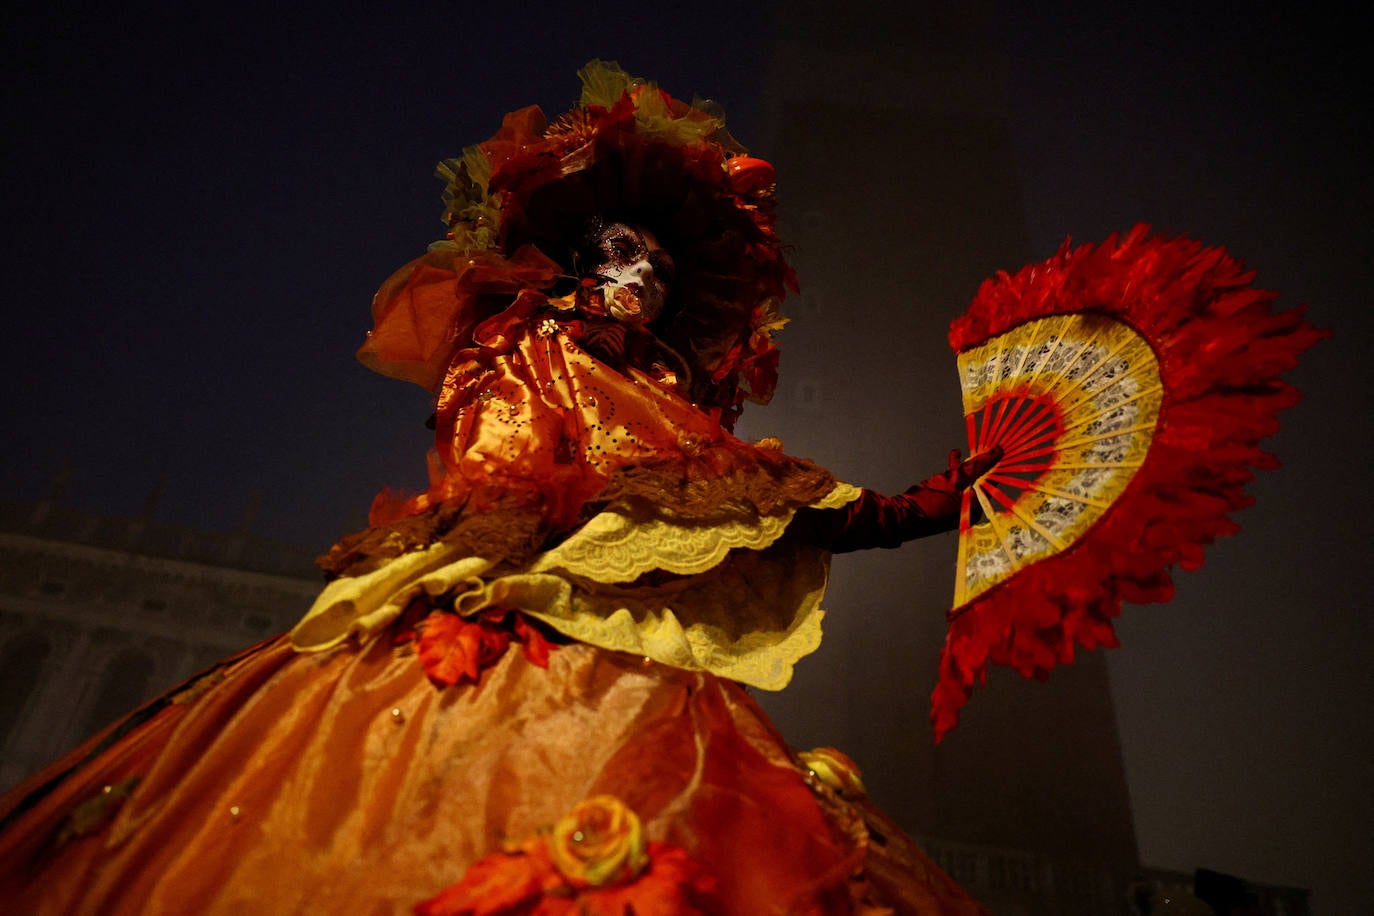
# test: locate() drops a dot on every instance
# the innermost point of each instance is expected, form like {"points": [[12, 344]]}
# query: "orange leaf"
{"points": [[451, 649], [672, 885], [536, 646], [499, 883]]}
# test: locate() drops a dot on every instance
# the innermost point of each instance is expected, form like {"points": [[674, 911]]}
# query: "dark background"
{"points": [[200, 203]]}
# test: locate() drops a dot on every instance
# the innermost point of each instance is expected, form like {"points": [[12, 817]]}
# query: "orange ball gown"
{"points": [[524, 690], [355, 766]]}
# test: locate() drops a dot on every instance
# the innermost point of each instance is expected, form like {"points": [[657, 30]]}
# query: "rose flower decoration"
{"points": [[835, 769], [601, 841], [593, 861]]}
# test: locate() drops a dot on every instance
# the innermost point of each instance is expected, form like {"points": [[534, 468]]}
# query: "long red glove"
{"points": [[875, 520]]}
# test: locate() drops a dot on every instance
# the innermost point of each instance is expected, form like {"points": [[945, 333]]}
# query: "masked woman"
{"points": [[521, 689]]}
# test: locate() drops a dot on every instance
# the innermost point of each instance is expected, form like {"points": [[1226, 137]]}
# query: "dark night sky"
{"points": [[200, 204]]}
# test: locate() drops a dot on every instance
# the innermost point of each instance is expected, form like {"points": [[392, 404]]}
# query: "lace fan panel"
{"points": [[1073, 401]]}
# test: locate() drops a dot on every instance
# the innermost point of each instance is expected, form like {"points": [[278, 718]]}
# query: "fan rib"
{"points": [[1029, 521], [1072, 497], [1011, 480], [996, 526], [1070, 397], [1040, 451], [1144, 393], [1069, 364], [1013, 446], [993, 427], [1027, 423], [1006, 412], [961, 562], [1026, 341], [966, 385], [1057, 332], [1078, 394], [1094, 465], [1112, 434]]}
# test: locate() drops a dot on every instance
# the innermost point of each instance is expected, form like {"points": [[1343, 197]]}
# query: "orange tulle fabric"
{"points": [[426, 311], [348, 782]]}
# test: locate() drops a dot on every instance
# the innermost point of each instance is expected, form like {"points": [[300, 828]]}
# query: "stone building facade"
{"points": [[99, 614]]}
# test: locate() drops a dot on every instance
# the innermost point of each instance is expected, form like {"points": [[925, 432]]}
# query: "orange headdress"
{"points": [[516, 205]]}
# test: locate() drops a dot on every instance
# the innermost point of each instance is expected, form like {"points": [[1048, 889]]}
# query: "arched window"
{"points": [[21, 669], [123, 685]]}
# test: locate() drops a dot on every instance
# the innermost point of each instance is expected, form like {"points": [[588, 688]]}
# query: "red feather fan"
{"points": [[1129, 385]]}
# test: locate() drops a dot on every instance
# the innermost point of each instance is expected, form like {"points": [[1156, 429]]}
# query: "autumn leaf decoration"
{"points": [[454, 648]]}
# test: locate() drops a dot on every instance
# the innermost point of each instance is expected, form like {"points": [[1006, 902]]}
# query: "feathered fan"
{"points": [[1129, 385]]}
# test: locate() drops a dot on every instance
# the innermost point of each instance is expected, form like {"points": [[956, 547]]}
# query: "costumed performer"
{"points": [[521, 690]]}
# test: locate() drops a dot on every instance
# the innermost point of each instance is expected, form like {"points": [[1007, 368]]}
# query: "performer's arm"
{"points": [[875, 520]]}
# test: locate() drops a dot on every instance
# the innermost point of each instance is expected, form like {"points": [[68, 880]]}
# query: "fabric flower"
{"points": [[599, 842], [592, 862], [834, 768]]}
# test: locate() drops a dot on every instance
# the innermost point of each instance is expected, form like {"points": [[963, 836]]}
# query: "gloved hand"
{"points": [[970, 470], [962, 472], [874, 520]]}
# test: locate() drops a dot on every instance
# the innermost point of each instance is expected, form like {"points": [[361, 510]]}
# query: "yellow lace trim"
{"points": [[615, 548], [747, 614], [358, 607], [842, 495], [750, 619]]}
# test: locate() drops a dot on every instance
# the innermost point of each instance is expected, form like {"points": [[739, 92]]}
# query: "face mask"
{"points": [[634, 272]]}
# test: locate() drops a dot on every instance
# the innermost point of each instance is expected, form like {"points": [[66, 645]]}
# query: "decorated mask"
{"points": [[632, 271]]}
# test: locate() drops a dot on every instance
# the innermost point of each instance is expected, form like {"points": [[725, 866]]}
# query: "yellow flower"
{"points": [[599, 842], [835, 769]]}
